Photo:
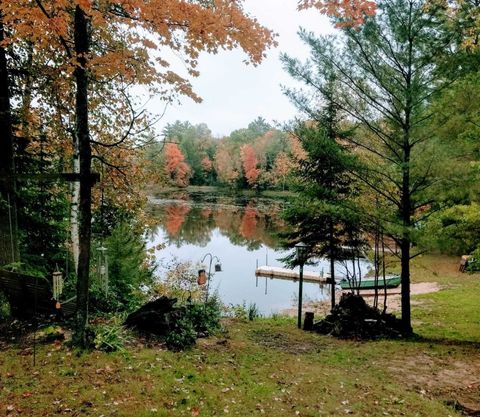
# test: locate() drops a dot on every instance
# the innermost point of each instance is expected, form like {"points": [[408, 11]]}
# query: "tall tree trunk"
{"points": [[9, 251], [406, 198], [75, 196], [332, 267], [405, 246], [81, 35]]}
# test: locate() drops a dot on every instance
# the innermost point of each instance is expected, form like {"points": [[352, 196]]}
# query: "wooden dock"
{"points": [[289, 274]]}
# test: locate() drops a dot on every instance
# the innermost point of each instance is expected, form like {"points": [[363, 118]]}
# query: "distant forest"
{"points": [[258, 156]]}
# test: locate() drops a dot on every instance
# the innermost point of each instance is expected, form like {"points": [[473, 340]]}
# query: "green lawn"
{"points": [[270, 368]]}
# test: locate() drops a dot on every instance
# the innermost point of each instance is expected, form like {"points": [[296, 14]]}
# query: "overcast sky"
{"points": [[235, 94]]}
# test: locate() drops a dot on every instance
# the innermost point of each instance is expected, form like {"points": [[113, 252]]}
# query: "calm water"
{"points": [[241, 232]]}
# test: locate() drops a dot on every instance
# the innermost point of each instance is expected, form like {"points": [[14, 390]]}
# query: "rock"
{"points": [[154, 317]]}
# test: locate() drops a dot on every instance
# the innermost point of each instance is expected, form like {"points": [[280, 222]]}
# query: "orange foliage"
{"points": [[282, 167], [298, 153], [175, 166], [207, 164], [250, 163], [131, 33], [225, 165], [130, 38], [349, 12]]}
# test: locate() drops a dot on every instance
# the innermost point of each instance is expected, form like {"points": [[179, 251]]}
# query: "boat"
{"points": [[371, 284]]}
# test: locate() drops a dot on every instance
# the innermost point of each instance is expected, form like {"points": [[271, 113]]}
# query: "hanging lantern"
{"points": [[218, 267], [57, 283], [202, 277]]}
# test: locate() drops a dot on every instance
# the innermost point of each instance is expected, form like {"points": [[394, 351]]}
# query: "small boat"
{"points": [[371, 284]]}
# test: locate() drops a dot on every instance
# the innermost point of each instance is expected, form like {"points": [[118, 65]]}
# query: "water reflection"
{"points": [[249, 223], [242, 232]]}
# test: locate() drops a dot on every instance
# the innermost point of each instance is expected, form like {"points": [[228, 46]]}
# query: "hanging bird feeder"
{"points": [[202, 277], [218, 267], [102, 268]]}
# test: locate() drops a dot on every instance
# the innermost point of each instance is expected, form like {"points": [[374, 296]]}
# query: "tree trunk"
{"points": [[406, 213], [81, 34], [332, 268], [9, 251], [74, 232]]}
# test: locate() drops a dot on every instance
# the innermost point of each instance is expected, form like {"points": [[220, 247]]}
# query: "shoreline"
{"points": [[322, 308]]}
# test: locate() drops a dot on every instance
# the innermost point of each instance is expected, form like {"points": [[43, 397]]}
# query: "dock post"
{"points": [[300, 296], [308, 321]]}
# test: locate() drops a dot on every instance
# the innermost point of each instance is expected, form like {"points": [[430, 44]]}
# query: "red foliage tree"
{"points": [[175, 166], [250, 163]]}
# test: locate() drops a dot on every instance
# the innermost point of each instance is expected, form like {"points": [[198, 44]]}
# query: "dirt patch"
{"points": [[394, 301], [457, 383], [321, 309]]}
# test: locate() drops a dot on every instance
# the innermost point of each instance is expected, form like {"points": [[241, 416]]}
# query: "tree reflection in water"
{"points": [[246, 222]]}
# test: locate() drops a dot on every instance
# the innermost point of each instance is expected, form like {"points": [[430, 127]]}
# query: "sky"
{"points": [[235, 94]]}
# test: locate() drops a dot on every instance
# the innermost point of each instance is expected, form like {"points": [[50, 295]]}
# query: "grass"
{"points": [[269, 367]]}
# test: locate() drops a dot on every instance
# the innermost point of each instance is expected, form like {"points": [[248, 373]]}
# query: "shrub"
{"points": [[4, 307], [110, 336], [244, 312], [183, 334], [180, 281], [193, 320], [205, 317]]}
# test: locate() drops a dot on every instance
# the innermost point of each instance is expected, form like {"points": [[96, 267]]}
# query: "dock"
{"points": [[289, 274]]}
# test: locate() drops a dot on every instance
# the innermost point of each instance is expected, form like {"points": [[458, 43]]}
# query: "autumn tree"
{"points": [[175, 166], [226, 167], [117, 43], [250, 163], [281, 169]]}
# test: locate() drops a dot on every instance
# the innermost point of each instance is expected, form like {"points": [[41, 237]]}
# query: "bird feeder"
{"points": [[202, 277], [218, 267], [102, 268]]}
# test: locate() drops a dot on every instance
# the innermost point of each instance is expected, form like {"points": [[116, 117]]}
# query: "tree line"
{"points": [[257, 157]]}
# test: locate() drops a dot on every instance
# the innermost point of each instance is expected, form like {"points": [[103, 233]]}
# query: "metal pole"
{"points": [[300, 296], [208, 281]]}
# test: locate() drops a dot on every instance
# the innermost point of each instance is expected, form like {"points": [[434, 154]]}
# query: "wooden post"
{"points": [[308, 322]]}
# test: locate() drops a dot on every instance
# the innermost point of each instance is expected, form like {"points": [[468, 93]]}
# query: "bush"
{"points": [[180, 281], [4, 307], [110, 336], [244, 312], [205, 317], [473, 264], [183, 335], [193, 320]]}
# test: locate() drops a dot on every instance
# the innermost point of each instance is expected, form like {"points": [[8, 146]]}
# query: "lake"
{"points": [[242, 232]]}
